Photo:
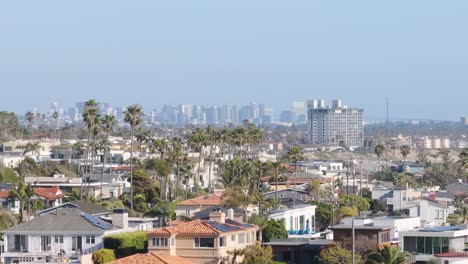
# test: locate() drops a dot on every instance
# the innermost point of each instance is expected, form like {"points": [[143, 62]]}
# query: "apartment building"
{"points": [[335, 125], [203, 241]]}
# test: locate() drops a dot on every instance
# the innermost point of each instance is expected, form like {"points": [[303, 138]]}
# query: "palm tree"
{"points": [[78, 151], [34, 148], [295, 154], [379, 151], [23, 194], [30, 116], [91, 117], [278, 169], [108, 122], [176, 155], [133, 116], [55, 116], [197, 140], [405, 150], [211, 134], [388, 255], [313, 187]]}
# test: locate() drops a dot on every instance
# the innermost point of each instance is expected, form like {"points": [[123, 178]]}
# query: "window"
{"points": [[204, 242], [241, 239], [187, 212], [222, 241], [160, 241], [233, 238], [58, 239], [90, 240], [384, 237]]}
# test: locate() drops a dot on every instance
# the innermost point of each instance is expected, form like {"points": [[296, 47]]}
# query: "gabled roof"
{"points": [[203, 227], [65, 221], [207, 200], [83, 206], [152, 258], [52, 193]]}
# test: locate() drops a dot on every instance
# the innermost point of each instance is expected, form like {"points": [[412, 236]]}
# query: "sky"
{"points": [[234, 52]]}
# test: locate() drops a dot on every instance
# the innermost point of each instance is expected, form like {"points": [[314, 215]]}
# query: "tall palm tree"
{"points": [[108, 122], [133, 116], [211, 133], [176, 155], [388, 255], [91, 118], [23, 194], [30, 117], [197, 140], [278, 169], [295, 154], [78, 151], [379, 151]]}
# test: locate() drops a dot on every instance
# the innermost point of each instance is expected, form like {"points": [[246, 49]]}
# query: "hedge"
{"points": [[127, 244], [102, 256]]}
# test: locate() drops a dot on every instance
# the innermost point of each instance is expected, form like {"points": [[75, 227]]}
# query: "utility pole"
{"points": [[354, 248]]}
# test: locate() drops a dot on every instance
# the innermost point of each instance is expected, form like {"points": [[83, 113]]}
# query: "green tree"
{"points": [[405, 150], [377, 206], [295, 155], [338, 255], [33, 148], [30, 117], [78, 150], [256, 254], [91, 118], [353, 200], [23, 194], [133, 116], [102, 256], [379, 150], [388, 255], [7, 219], [8, 175]]}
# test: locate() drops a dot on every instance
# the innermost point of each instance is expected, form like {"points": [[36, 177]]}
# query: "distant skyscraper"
{"points": [[464, 120], [335, 125], [287, 116]]}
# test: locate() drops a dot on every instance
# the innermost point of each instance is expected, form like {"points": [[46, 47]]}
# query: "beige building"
{"points": [[203, 241], [190, 207]]}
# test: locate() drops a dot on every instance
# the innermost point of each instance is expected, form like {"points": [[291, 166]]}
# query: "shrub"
{"points": [[127, 244], [102, 256]]}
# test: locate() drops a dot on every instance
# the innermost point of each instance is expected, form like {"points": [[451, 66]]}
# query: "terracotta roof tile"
{"points": [[203, 227], [452, 255], [152, 258], [5, 194], [208, 200], [52, 193]]}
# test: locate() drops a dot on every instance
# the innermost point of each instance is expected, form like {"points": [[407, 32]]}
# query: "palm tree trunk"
{"points": [[294, 188], [103, 168], [198, 170], [131, 169], [209, 168], [276, 187], [177, 178], [87, 159]]}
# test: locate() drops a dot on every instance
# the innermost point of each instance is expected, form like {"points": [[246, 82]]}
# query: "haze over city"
{"points": [[215, 53]]}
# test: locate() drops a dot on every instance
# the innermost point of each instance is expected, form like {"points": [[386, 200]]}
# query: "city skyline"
{"points": [[202, 53]]}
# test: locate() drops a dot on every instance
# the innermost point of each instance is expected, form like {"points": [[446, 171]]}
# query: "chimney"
{"points": [[230, 214], [218, 216], [120, 218]]}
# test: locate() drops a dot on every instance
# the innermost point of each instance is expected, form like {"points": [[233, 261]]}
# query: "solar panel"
{"points": [[97, 222]]}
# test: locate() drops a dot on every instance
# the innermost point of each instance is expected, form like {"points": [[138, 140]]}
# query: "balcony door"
{"points": [[77, 243], [46, 243]]}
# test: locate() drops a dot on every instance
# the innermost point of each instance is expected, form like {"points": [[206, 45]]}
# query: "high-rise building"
{"points": [[336, 124], [464, 120]]}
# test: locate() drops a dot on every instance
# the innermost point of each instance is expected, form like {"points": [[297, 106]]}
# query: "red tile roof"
{"points": [[122, 168], [452, 255], [152, 258], [4, 194], [208, 200], [201, 227], [52, 193]]}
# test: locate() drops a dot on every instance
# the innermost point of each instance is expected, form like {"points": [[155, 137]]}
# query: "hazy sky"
{"points": [[216, 52]]}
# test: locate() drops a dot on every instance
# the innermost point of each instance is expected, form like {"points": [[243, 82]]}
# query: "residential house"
{"points": [[190, 207], [64, 236], [203, 241], [367, 237], [393, 196], [298, 220], [66, 184], [9, 203], [152, 258], [83, 206], [48, 196], [298, 250], [427, 242], [458, 188]]}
